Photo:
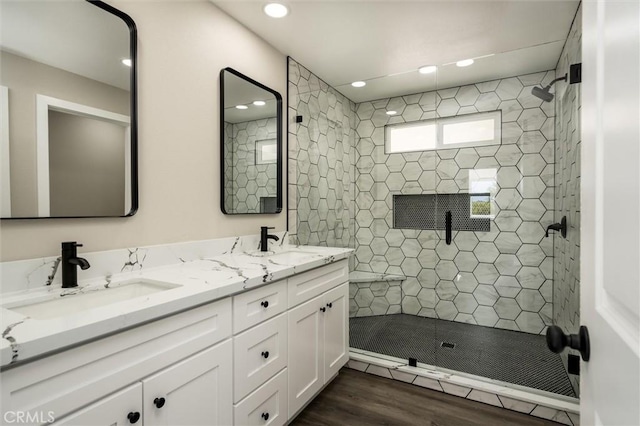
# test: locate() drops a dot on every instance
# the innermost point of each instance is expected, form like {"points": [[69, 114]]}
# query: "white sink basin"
{"points": [[290, 256], [49, 307], [283, 256]]}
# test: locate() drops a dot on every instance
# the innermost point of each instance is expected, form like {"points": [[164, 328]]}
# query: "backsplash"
{"points": [[107, 265]]}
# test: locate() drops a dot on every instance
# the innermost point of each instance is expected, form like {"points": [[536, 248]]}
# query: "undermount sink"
{"points": [[72, 303], [290, 255]]}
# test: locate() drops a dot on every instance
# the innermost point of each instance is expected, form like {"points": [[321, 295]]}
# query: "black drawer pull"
{"points": [[330, 305], [133, 417], [265, 354], [265, 416], [265, 304], [323, 309], [159, 402]]}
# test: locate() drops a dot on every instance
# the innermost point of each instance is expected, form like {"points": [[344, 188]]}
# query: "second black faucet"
{"points": [[70, 261], [265, 237]]}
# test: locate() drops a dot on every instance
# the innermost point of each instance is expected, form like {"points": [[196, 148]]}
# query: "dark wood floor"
{"points": [[356, 398]]}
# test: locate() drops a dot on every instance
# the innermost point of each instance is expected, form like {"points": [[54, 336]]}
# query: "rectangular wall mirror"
{"points": [[68, 136], [251, 145]]}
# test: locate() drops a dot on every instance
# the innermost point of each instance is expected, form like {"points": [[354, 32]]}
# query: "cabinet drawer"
{"points": [[258, 305], [310, 284], [266, 406], [114, 409], [259, 353]]}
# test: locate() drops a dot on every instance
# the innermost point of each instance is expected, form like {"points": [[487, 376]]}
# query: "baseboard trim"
{"points": [[560, 409]]}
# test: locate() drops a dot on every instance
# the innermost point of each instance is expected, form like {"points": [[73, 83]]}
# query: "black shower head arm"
{"points": [[563, 78]]}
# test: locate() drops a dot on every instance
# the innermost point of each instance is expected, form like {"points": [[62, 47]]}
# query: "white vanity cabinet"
{"points": [[318, 335], [121, 408], [255, 358], [194, 391], [88, 378]]}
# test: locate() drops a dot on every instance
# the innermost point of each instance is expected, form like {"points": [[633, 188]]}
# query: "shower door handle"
{"points": [[557, 341], [447, 224]]}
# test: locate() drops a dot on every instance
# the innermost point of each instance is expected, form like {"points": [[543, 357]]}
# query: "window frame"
{"points": [[439, 126]]}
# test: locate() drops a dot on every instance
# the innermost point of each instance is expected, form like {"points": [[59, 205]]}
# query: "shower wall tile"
{"points": [[490, 278], [321, 161], [374, 298], [566, 269]]}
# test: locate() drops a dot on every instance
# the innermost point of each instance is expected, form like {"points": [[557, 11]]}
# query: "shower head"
{"points": [[543, 92]]}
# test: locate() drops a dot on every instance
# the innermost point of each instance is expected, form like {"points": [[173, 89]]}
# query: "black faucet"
{"points": [[265, 237], [561, 227], [69, 262]]}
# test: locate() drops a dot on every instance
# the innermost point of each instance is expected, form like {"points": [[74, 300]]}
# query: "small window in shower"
{"points": [[409, 137], [480, 205], [444, 133], [483, 188]]}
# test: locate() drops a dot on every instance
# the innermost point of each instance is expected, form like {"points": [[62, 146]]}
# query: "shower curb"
{"points": [[560, 409]]}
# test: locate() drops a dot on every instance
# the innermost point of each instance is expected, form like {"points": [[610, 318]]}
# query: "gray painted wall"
{"points": [[86, 166], [25, 79]]}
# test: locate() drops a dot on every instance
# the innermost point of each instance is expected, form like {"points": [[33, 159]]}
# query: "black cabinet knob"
{"points": [[133, 417], [330, 305], [323, 309], [159, 402], [557, 341], [265, 354], [265, 416], [265, 304]]}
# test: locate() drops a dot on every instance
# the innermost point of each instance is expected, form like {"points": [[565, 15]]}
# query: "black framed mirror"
{"points": [[68, 121], [250, 144]]}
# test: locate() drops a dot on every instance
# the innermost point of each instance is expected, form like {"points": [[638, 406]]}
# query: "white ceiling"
{"points": [[384, 42], [238, 91], [72, 35]]}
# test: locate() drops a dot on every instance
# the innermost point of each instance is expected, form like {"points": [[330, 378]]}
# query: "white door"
{"points": [[610, 233], [336, 330], [306, 352], [118, 409], [196, 391]]}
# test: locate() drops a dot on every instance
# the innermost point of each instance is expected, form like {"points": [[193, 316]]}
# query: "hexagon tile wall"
{"points": [[245, 181], [501, 278], [321, 161]]}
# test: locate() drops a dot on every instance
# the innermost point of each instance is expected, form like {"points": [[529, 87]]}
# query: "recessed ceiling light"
{"points": [[276, 10], [259, 103], [358, 84], [127, 62], [392, 112], [465, 63], [427, 69], [242, 107]]}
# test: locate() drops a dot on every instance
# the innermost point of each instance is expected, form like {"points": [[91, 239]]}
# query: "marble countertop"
{"points": [[196, 282]]}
